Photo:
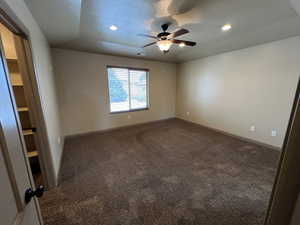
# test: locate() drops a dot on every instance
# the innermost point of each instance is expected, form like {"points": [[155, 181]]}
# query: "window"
{"points": [[128, 89]]}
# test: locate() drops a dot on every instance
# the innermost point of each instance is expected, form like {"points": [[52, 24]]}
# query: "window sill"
{"points": [[128, 111]]}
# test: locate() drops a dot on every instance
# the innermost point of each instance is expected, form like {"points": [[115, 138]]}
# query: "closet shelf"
{"points": [[17, 85], [12, 60], [32, 154], [23, 109], [28, 132]]}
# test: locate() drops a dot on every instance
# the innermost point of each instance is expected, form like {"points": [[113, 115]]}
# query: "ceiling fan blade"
{"points": [[153, 43], [187, 43], [177, 33], [147, 35]]}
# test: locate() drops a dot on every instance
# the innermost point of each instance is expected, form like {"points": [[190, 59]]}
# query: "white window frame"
{"points": [[147, 89]]}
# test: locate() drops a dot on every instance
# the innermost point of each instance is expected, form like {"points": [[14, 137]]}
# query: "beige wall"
{"points": [[83, 94], [235, 90], [43, 66]]}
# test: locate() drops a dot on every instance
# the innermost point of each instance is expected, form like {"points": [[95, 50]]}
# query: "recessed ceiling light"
{"points": [[113, 27], [226, 27], [182, 44]]}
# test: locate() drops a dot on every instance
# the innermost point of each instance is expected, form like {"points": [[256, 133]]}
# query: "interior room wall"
{"points": [[236, 90], [83, 91], [45, 76]]}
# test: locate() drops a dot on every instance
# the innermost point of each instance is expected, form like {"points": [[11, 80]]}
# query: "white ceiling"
{"points": [[84, 24], [296, 5]]}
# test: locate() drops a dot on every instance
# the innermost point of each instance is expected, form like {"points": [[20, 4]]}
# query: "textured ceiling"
{"points": [[296, 5], [84, 25]]}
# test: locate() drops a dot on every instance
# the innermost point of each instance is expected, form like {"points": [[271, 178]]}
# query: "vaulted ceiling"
{"points": [[84, 25]]}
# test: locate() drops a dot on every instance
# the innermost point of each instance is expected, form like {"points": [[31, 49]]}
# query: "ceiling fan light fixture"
{"points": [[182, 44], [164, 40], [164, 45]]}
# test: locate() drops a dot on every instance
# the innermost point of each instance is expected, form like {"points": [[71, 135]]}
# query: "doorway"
{"points": [[26, 106], [16, 207]]}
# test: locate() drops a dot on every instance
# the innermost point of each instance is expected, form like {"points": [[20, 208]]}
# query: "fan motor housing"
{"points": [[163, 35]]}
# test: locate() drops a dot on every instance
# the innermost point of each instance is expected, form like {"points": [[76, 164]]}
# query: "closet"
{"points": [[22, 92]]}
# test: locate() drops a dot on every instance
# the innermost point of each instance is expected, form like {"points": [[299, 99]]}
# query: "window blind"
{"points": [[128, 89]]}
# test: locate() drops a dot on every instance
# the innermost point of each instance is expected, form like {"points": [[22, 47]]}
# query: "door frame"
{"points": [[8, 19], [287, 184], [7, 157]]}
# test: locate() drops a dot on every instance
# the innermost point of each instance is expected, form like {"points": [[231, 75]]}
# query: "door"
{"points": [[15, 177]]}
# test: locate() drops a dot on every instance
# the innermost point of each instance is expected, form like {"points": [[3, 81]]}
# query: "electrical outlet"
{"points": [[252, 128], [188, 113], [273, 133]]}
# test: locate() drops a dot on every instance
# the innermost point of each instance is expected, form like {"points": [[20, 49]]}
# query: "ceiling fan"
{"points": [[164, 40]]}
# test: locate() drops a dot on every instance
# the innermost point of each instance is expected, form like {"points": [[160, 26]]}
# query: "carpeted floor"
{"points": [[165, 173]]}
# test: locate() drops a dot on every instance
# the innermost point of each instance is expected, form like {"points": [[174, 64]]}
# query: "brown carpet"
{"points": [[164, 173]]}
